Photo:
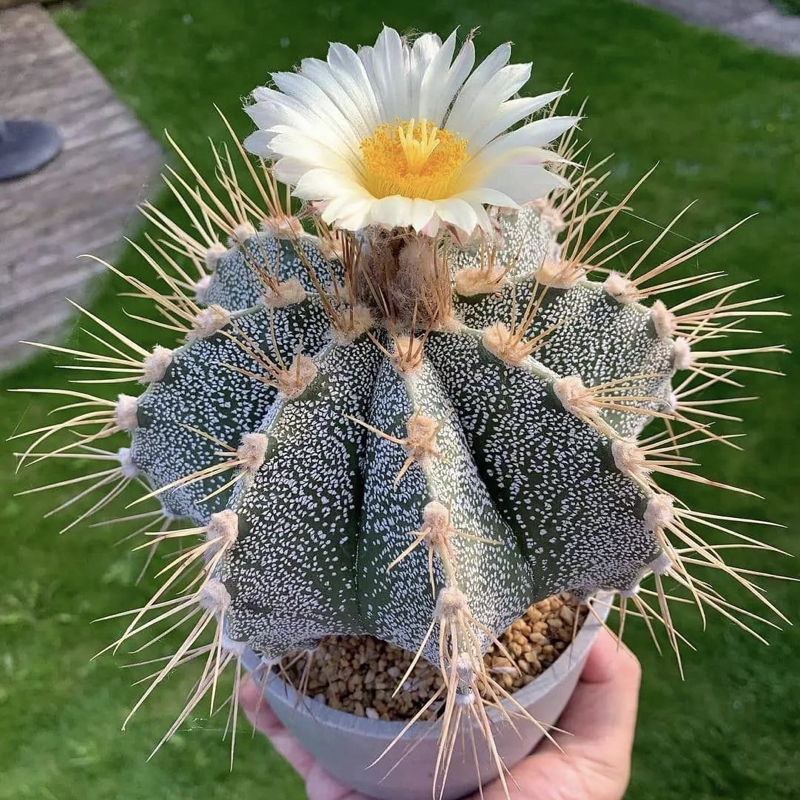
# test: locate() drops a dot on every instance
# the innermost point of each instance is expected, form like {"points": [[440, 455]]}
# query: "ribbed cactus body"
{"points": [[534, 501], [410, 401]]}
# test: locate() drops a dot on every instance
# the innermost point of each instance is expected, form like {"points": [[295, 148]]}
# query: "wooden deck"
{"points": [[82, 202]]}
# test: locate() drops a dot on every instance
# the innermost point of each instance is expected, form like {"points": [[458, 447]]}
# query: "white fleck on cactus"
{"points": [[424, 416]]}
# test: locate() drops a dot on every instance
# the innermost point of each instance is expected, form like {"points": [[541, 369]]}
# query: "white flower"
{"points": [[405, 134]]}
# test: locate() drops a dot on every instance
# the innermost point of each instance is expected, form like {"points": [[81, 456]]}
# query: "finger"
{"points": [[594, 762], [601, 714], [264, 720], [319, 784]]}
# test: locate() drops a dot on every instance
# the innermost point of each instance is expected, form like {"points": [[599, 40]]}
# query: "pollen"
{"points": [[413, 159]]}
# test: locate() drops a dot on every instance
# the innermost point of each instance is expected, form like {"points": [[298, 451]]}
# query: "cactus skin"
{"points": [[533, 488], [349, 462]]}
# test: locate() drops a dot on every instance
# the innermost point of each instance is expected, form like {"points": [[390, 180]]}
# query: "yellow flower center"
{"points": [[413, 159]]}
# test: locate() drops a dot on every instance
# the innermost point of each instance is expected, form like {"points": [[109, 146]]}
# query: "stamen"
{"points": [[413, 159], [417, 151]]}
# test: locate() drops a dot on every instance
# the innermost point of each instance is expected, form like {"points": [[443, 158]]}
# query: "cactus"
{"points": [[408, 430]]}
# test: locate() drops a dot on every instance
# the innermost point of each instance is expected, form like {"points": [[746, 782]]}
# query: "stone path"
{"points": [[756, 22], [80, 203]]}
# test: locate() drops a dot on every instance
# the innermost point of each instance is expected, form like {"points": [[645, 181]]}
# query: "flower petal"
{"points": [[507, 114], [460, 69], [258, 143], [523, 183], [497, 90], [348, 205], [311, 96], [431, 80], [352, 76], [320, 73], [273, 109], [425, 50], [352, 215], [495, 61], [290, 170], [324, 184], [533, 135], [288, 142], [421, 213], [388, 68], [392, 211], [488, 196], [458, 212]]}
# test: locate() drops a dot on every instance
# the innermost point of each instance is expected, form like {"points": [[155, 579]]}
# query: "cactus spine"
{"points": [[410, 434]]}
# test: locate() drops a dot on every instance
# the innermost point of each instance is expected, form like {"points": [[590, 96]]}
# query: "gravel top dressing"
{"points": [[358, 674]]}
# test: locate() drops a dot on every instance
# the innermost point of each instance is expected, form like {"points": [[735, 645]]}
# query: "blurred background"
{"points": [[722, 118]]}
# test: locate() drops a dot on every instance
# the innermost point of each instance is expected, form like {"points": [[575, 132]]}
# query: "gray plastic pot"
{"points": [[346, 745]]}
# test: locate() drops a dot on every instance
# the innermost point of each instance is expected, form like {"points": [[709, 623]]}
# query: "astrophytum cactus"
{"points": [[411, 404]]}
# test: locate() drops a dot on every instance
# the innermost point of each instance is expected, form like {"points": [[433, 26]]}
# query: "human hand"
{"points": [[596, 757]]}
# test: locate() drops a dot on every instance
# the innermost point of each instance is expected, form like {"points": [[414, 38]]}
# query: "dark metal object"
{"points": [[25, 146]]}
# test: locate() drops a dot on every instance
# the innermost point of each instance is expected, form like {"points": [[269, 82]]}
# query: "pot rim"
{"points": [[571, 657]]}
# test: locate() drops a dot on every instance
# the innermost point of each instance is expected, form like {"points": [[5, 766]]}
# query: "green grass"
{"points": [[721, 119], [789, 6]]}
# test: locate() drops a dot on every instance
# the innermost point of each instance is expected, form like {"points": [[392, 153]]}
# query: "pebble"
{"points": [[358, 674]]}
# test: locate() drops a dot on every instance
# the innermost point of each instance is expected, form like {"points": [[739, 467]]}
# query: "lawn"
{"points": [[721, 119], [789, 6]]}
